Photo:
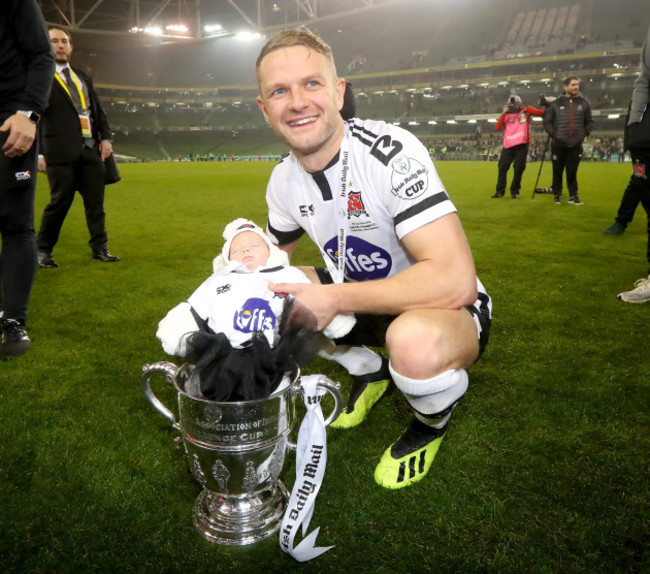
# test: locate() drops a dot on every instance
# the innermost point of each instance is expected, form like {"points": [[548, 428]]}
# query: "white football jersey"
{"points": [[393, 189], [240, 303]]}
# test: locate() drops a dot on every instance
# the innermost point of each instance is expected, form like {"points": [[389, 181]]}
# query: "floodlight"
{"points": [[248, 35]]}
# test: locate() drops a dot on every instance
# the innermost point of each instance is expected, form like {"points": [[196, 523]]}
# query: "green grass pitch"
{"points": [[545, 466]]}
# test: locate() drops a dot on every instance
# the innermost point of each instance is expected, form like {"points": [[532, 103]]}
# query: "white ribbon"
{"points": [[311, 458], [342, 213]]}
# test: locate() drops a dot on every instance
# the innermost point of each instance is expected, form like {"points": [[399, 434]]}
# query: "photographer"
{"points": [[568, 122], [515, 123]]}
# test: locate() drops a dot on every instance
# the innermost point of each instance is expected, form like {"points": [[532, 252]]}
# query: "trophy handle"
{"points": [[334, 389], [169, 370]]}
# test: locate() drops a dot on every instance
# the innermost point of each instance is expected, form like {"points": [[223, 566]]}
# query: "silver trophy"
{"points": [[236, 452]]}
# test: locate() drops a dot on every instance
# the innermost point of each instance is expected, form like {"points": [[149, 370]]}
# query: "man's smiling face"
{"points": [[300, 98]]}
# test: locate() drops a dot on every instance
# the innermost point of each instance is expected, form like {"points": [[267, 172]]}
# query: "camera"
{"points": [[514, 102], [546, 101]]}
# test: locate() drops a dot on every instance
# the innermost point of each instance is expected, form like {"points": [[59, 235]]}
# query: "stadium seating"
{"points": [[435, 62]]}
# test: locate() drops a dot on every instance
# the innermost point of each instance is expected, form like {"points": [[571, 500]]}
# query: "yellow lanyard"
{"points": [[77, 85]]}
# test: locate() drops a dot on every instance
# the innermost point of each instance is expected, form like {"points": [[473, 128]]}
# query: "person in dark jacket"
{"points": [[76, 139], [26, 66], [568, 121]]}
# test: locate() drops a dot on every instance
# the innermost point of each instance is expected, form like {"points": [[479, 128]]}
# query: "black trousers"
{"points": [[18, 253], [86, 175], [640, 186], [513, 155], [565, 158], [629, 202]]}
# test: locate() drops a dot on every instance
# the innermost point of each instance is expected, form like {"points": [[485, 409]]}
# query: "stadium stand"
{"points": [[442, 70]]}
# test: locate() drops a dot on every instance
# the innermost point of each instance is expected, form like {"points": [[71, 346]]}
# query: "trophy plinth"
{"points": [[240, 520]]}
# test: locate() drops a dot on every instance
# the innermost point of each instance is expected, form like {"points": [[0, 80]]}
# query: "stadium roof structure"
{"points": [[196, 19]]}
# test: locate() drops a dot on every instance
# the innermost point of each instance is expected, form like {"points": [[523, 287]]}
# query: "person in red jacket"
{"points": [[515, 123]]}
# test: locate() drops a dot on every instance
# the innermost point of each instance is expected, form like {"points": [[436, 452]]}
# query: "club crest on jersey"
{"points": [[223, 289], [410, 179], [355, 205], [307, 210], [639, 170], [363, 260], [23, 175], [254, 316]]}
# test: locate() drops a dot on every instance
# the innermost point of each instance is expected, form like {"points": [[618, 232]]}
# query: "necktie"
{"points": [[76, 100], [72, 88]]}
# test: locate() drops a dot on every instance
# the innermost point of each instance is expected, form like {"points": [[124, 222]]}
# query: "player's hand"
{"points": [[316, 298], [42, 165], [22, 132]]}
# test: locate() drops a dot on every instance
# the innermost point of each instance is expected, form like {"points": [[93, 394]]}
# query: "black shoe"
{"points": [[515, 195], [557, 199], [409, 458], [45, 260], [615, 229], [105, 256], [575, 200], [366, 391], [497, 195], [15, 341]]}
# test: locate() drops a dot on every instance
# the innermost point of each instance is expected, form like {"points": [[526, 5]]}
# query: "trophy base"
{"points": [[240, 520]]}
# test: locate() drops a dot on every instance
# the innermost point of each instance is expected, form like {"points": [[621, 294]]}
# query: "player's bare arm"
{"points": [[444, 277]]}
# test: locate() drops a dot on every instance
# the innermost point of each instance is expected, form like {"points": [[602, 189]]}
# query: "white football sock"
{"points": [[432, 395], [357, 360]]}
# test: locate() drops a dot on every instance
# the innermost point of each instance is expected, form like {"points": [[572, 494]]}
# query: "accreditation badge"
{"points": [[84, 119]]}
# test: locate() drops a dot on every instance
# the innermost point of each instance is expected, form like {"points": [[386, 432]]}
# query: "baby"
{"points": [[235, 304]]}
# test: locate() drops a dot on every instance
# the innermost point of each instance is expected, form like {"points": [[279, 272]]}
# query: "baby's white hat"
{"points": [[234, 228]]}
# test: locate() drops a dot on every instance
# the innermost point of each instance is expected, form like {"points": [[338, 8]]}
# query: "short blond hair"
{"points": [[297, 37]]}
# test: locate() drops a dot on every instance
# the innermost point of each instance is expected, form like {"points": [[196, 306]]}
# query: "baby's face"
{"points": [[250, 249]]}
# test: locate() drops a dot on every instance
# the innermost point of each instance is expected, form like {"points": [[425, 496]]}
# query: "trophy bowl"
{"points": [[236, 451]]}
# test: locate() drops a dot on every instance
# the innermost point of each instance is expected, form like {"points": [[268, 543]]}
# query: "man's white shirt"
{"points": [[393, 189]]}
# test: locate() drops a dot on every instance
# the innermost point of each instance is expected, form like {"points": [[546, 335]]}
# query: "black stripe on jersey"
{"points": [[362, 139], [321, 179], [286, 237], [324, 185], [356, 132], [420, 207]]}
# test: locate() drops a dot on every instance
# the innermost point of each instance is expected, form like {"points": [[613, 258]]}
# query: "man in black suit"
{"points": [[75, 138]]}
